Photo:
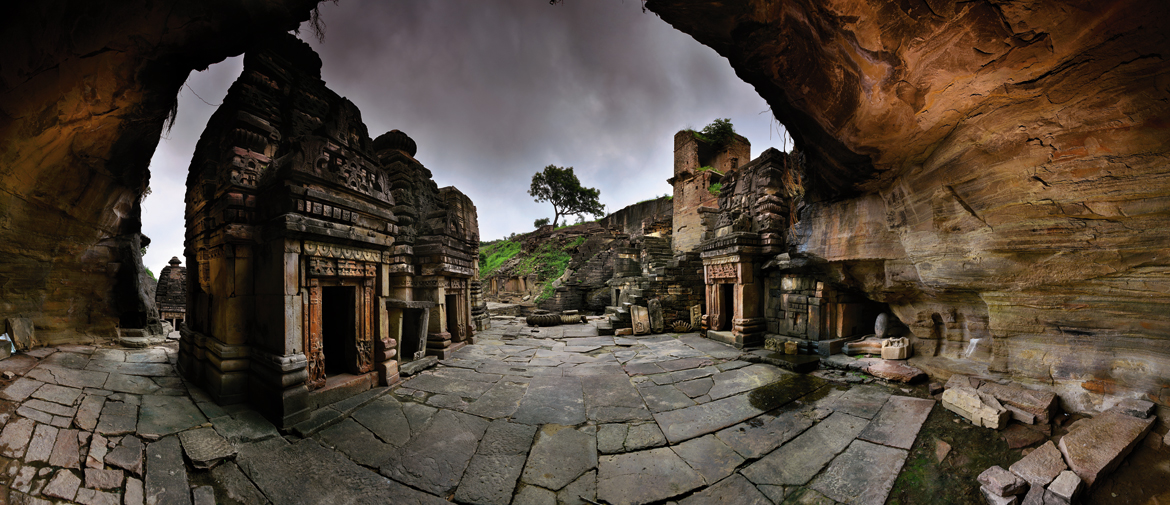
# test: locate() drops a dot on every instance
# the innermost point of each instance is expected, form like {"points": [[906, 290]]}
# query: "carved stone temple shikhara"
{"points": [[320, 258]]}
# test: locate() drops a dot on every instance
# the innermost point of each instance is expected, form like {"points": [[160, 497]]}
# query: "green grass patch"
{"points": [[492, 255], [708, 168], [715, 188]]}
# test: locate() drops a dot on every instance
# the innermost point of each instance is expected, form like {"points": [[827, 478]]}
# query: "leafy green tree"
{"points": [[540, 222], [719, 133], [560, 187]]}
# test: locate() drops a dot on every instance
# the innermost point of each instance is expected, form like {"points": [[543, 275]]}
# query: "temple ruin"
{"points": [[171, 294], [323, 258]]}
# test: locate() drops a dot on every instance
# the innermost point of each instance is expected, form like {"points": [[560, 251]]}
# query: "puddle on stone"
{"points": [[784, 391]]}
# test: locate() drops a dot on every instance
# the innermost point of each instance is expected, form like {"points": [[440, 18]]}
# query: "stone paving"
{"points": [[525, 416]]}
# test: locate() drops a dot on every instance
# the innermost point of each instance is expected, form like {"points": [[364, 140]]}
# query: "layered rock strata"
{"points": [[85, 92], [996, 172]]}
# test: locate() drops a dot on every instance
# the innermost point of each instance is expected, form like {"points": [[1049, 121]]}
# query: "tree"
{"points": [[561, 188], [540, 222]]}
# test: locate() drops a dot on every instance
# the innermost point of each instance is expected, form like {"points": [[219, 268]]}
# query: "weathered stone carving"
{"points": [[293, 223]]}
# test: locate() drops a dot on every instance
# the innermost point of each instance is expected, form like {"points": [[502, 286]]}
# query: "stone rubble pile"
{"points": [[1053, 474]]}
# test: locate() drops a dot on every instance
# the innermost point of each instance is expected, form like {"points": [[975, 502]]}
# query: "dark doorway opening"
{"points": [[453, 325], [726, 306], [338, 325], [411, 342]]}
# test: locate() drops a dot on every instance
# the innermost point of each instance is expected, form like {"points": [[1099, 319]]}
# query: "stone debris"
{"points": [[205, 448], [1140, 409], [897, 371], [968, 403], [1040, 404], [1001, 482], [63, 485], [1064, 489], [1040, 466], [1094, 447], [994, 499]]}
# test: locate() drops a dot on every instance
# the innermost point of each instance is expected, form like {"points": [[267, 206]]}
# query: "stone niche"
{"points": [[322, 258]]}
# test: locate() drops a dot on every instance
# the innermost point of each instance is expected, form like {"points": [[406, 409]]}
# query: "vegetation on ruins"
{"points": [[493, 255], [540, 222], [715, 188], [719, 133], [560, 187], [708, 168]]}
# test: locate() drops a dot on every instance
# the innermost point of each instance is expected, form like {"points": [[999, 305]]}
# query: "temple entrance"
{"points": [[452, 311], [724, 307], [339, 328]]}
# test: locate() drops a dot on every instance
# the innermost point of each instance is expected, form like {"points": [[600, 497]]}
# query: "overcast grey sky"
{"points": [[493, 91]]}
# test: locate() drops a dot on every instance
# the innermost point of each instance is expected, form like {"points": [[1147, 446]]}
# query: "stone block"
{"points": [[1096, 446], [1064, 489], [1040, 466], [1002, 482], [1140, 409], [1042, 404], [994, 499], [967, 403]]}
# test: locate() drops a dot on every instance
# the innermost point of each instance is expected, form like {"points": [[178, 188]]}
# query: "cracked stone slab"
{"points": [[236, 485], [1095, 447], [88, 412], [559, 455], [57, 394], [797, 461], [709, 456], [501, 400], [20, 389], [103, 479], [140, 369], [63, 485], [898, 422], [552, 400], [644, 477], [128, 455], [51, 408], [760, 435], [355, 441], [81, 379], [734, 490], [611, 438], [862, 401], [435, 459], [864, 473], [446, 385], [66, 450], [745, 379], [66, 359], [710, 347], [15, 437], [163, 415], [166, 475], [665, 398], [41, 445], [612, 398], [131, 384], [385, 419], [205, 448], [644, 436], [245, 426]]}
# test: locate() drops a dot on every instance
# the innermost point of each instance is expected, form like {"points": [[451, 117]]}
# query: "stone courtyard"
{"points": [[525, 416]]}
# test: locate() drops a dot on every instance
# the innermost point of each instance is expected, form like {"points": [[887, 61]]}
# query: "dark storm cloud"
{"points": [[494, 90]]}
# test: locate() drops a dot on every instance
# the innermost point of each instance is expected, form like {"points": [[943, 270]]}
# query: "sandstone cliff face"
{"points": [[85, 89], [992, 170]]}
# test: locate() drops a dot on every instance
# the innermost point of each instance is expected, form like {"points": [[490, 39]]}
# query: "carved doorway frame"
{"points": [[328, 272]]}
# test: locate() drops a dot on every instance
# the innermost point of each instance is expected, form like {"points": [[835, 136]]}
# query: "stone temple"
{"points": [[322, 258], [171, 294], [985, 183]]}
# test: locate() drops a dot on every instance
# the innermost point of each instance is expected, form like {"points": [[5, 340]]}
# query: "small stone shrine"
{"points": [[171, 294], [323, 258]]}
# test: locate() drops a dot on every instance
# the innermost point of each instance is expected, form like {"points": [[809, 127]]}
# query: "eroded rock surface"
{"points": [[990, 170]]}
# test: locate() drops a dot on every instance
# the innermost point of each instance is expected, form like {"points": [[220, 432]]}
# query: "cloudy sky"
{"points": [[492, 92]]}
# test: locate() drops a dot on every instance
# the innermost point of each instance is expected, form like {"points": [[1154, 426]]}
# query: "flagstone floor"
{"points": [[525, 416]]}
